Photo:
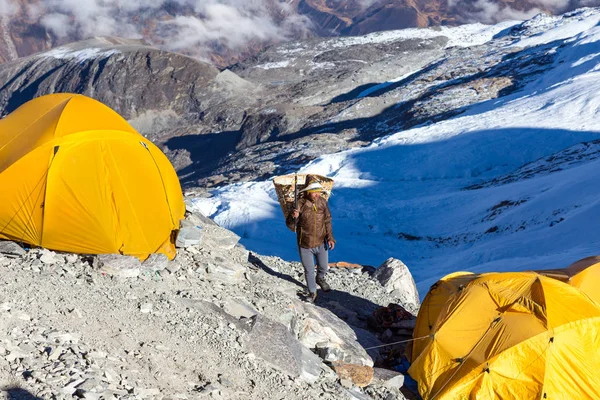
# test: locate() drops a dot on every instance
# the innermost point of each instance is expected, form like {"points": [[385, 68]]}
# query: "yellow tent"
{"points": [[76, 177], [509, 335], [583, 274]]}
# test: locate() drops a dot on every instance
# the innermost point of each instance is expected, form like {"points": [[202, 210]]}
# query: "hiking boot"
{"points": [[311, 297], [323, 284]]}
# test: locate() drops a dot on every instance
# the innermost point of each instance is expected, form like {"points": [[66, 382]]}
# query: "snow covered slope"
{"points": [[511, 184]]}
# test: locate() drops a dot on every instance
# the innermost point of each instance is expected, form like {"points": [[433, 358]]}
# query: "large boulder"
{"points": [[334, 341], [395, 277], [272, 342], [118, 265], [156, 262], [11, 249]]}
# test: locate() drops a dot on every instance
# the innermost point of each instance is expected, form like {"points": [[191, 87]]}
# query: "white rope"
{"points": [[393, 343]]}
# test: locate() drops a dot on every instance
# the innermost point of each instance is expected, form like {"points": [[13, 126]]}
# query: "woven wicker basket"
{"points": [[284, 187]]}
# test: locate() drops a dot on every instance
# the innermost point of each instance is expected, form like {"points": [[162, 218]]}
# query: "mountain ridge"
{"points": [[30, 26]]}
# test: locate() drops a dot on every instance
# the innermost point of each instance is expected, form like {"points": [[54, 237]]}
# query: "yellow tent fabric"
{"points": [[583, 274], [507, 335], [76, 177]]}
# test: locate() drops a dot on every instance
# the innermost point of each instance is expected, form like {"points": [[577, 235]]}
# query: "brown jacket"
{"points": [[314, 223]]}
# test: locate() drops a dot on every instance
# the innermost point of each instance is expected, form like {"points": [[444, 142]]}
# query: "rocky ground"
{"points": [[217, 322]]}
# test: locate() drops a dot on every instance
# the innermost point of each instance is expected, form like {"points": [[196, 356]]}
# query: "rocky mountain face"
{"points": [[217, 322], [24, 30], [292, 102]]}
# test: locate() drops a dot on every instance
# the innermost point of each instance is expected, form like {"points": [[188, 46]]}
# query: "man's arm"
{"points": [[290, 221]]}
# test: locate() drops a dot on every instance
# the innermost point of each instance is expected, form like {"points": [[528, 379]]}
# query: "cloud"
{"points": [[489, 11], [189, 25], [8, 8], [226, 24]]}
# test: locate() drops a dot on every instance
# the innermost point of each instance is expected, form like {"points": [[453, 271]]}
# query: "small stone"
{"points": [[146, 392], [209, 389], [15, 354], [130, 296], [110, 375], [188, 236], [226, 273], [97, 354], [48, 257], [396, 382], [77, 312], [71, 387], [71, 258], [347, 383], [192, 250], [64, 337], [173, 267], [23, 316], [146, 308]]}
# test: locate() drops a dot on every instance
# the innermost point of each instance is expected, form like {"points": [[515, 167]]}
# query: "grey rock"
{"points": [[311, 366], [146, 308], [272, 342], [381, 375], [173, 267], [220, 238], [367, 340], [119, 265], [196, 217], [354, 394], [395, 277], [71, 387], [11, 249], [156, 262], [143, 393], [239, 308], [334, 339], [48, 257], [396, 382], [189, 236], [228, 273], [71, 258]]}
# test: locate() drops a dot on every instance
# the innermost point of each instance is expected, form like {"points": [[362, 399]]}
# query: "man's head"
{"points": [[313, 190], [313, 196]]}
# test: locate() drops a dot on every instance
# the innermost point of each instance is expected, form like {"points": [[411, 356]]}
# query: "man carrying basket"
{"points": [[311, 220]]}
